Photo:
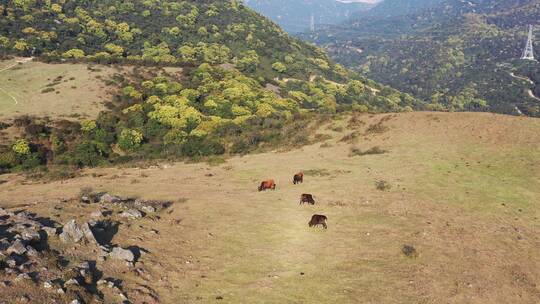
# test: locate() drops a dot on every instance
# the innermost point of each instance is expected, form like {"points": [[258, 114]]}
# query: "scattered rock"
{"points": [[131, 214], [109, 199], [50, 231], [409, 251], [71, 282], [22, 276], [88, 234], [148, 209], [120, 253], [71, 232], [17, 247], [29, 234], [31, 252]]}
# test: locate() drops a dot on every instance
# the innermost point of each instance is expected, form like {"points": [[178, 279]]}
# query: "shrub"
{"points": [[372, 151], [8, 160], [88, 125], [409, 251], [130, 140], [21, 147], [196, 146], [317, 172], [85, 153], [377, 128], [47, 90], [382, 185], [240, 146]]}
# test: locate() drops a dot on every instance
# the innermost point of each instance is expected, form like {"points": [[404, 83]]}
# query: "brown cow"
{"points": [[318, 219], [298, 178], [267, 184], [307, 198]]}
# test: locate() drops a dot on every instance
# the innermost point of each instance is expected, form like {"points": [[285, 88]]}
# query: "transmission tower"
{"points": [[528, 53], [312, 23]]}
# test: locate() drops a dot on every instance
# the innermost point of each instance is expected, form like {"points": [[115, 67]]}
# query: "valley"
{"points": [[443, 52]]}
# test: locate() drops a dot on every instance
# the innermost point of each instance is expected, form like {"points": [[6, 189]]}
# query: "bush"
{"points": [[8, 160], [372, 151], [85, 153], [382, 185], [377, 128], [130, 140], [240, 146], [196, 146], [21, 147]]}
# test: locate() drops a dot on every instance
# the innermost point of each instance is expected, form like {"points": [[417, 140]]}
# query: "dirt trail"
{"points": [[530, 92]]}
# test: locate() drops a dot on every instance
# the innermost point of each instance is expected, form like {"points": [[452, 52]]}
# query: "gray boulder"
{"points": [[109, 199], [131, 214], [120, 253], [17, 247], [29, 234], [148, 209], [50, 231], [88, 234], [71, 233]]}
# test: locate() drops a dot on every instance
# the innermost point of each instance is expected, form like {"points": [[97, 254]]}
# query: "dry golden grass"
{"points": [[465, 189], [80, 92]]}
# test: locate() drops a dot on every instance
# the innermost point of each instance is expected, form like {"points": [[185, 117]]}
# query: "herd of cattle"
{"points": [[316, 219]]}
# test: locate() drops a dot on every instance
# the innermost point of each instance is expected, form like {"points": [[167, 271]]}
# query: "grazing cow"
{"points": [[307, 198], [298, 178], [318, 219], [268, 184]]}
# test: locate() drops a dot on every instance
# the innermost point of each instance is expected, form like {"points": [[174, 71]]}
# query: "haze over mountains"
{"points": [[295, 15]]}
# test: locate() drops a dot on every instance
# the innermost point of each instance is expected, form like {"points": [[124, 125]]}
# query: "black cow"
{"points": [[318, 219], [307, 198]]}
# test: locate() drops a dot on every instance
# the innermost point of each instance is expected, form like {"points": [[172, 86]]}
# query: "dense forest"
{"points": [[243, 81], [457, 54]]}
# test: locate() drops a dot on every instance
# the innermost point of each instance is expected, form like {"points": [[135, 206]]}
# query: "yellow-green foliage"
{"points": [[88, 125], [21, 147], [129, 139]]}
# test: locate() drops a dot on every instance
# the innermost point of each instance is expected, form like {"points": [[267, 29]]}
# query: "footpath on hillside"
{"points": [[9, 67]]}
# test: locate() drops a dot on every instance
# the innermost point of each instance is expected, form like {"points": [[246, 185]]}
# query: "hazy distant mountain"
{"points": [[295, 15], [389, 8]]}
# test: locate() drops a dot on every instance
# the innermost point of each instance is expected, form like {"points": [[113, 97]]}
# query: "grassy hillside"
{"points": [[458, 53], [243, 83], [462, 191], [59, 91]]}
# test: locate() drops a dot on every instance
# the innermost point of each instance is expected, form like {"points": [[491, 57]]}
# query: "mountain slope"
{"points": [[459, 53], [242, 79], [295, 15]]}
